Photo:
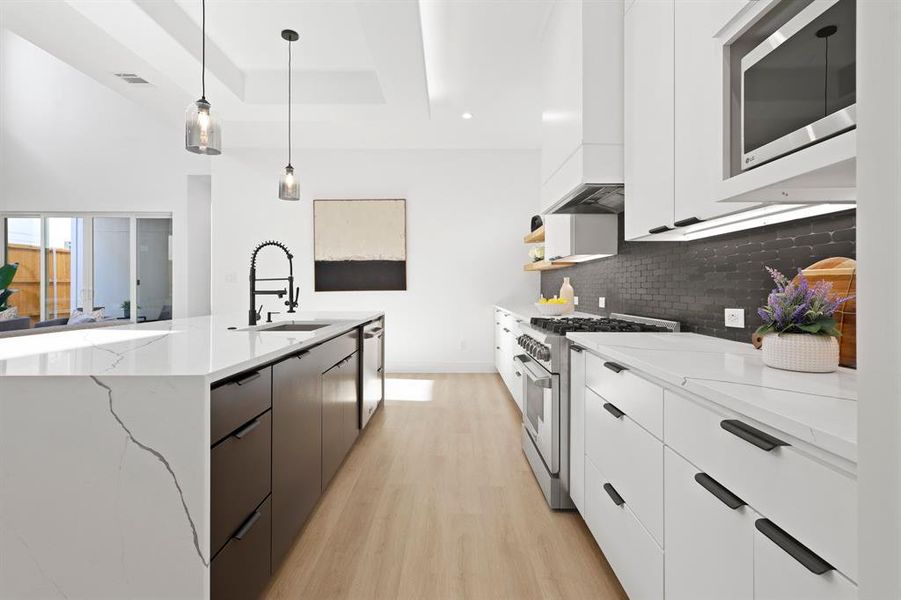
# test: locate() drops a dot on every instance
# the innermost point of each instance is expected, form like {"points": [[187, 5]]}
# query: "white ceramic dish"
{"points": [[552, 310]]}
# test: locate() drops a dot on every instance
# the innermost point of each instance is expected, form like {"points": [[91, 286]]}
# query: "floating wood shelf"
{"points": [[545, 265], [536, 237]]}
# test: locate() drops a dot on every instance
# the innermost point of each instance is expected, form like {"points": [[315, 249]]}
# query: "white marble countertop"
{"points": [[819, 408], [197, 346]]}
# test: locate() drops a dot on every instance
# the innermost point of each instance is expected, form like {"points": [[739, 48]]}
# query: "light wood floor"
{"points": [[437, 501]]}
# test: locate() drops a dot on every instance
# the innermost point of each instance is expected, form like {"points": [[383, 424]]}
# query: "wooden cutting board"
{"points": [[842, 272]]}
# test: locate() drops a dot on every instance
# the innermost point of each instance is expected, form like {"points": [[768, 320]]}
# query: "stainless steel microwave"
{"points": [[799, 86]]}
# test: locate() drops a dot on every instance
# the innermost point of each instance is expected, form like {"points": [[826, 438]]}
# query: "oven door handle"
{"points": [[536, 377]]}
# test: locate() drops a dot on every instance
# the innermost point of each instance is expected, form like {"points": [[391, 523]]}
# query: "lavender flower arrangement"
{"points": [[798, 307]]}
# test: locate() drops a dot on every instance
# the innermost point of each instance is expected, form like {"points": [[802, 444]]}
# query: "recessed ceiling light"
{"points": [[467, 115]]}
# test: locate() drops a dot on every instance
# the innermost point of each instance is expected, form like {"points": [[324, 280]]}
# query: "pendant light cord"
{"points": [[289, 102], [826, 82], [203, 49]]}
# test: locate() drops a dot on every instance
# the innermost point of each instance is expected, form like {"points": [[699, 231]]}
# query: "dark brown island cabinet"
{"points": [[280, 434]]}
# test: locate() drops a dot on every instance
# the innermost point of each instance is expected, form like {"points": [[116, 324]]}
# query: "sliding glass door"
{"points": [[63, 265], [90, 263], [111, 266], [154, 267], [22, 245]]}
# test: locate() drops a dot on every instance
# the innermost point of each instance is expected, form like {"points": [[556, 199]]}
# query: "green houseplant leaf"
{"points": [[7, 272]]}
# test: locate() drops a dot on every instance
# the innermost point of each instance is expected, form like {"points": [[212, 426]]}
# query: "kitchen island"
{"points": [[107, 478]]}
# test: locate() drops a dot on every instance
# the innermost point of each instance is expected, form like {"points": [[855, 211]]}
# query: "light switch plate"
{"points": [[602, 302], [735, 317], [575, 301]]}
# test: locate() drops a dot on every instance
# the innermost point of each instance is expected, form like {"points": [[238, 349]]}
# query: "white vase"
{"points": [[567, 293], [801, 352]]}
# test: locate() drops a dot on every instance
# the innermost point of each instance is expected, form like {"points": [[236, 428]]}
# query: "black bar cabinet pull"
{"points": [[613, 410], [247, 428], [242, 531], [752, 435], [688, 221], [615, 367], [660, 229], [614, 495], [793, 547], [576, 349], [507, 330], [246, 378], [719, 492]]}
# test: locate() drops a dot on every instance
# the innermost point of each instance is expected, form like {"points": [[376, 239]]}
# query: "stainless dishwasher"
{"points": [[373, 372]]}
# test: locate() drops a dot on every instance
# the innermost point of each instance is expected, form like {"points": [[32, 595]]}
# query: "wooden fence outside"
{"points": [[28, 280]]}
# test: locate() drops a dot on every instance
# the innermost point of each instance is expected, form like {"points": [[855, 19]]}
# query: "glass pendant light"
{"points": [[202, 134], [288, 189]]}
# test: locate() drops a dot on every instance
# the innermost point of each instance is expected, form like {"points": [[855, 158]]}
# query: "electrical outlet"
{"points": [[575, 301], [735, 317], [602, 302]]}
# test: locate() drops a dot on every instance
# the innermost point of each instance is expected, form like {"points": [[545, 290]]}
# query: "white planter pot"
{"points": [[801, 352]]}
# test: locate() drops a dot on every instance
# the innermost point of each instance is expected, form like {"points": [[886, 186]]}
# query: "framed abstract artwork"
{"points": [[360, 245]]}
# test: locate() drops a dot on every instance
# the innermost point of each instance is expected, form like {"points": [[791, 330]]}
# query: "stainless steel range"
{"points": [[545, 366]]}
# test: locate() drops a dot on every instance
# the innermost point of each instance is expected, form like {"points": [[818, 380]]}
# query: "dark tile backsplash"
{"points": [[692, 282]]}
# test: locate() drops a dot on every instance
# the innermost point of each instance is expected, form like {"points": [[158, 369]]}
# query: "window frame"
{"points": [[86, 295]]}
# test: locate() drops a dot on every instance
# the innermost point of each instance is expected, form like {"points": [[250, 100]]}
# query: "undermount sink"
{"points": [[296, 327], [283, 326]]}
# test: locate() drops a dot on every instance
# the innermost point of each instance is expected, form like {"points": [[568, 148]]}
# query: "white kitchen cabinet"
{"points": [[811, 499], [631, 393], [635, 557], [698, 106], [649, 116], [630, 457], [577, 427], [709, 544], [578, 238], [506, 331], [779, 576], [581, 97]]}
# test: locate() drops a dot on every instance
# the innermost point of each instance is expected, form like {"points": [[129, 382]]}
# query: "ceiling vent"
{"points": [[132, 78]]}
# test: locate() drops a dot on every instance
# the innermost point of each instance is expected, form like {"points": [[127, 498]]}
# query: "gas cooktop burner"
{"points": [[566, 325]]}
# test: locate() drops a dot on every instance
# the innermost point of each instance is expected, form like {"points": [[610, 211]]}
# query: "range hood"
{"points": [[592, 198]]}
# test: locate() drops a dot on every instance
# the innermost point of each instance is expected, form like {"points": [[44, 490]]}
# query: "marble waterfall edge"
{"points": [[104, 487]]}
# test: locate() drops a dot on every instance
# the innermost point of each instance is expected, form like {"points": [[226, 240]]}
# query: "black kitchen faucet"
{"points": [[293, 294]]}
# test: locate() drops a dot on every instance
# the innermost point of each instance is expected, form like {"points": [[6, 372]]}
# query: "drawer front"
{"points": [[635, 557], [630, 456], [812, 501], [239, 477], [516, 388], [778, 576], [703, 532], [241, 570], [335, 350], [637, 397], [238, 401]]}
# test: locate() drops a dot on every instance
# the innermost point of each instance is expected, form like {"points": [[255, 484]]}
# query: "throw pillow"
{"points": [[10, 313]]}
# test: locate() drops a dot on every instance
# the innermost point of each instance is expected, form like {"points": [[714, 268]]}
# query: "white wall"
{"points": [[69, 143], [466, 214], [878, 287]]}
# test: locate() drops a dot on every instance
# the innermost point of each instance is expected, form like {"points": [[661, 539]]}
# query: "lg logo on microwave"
{"points": [[749, 159]]}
